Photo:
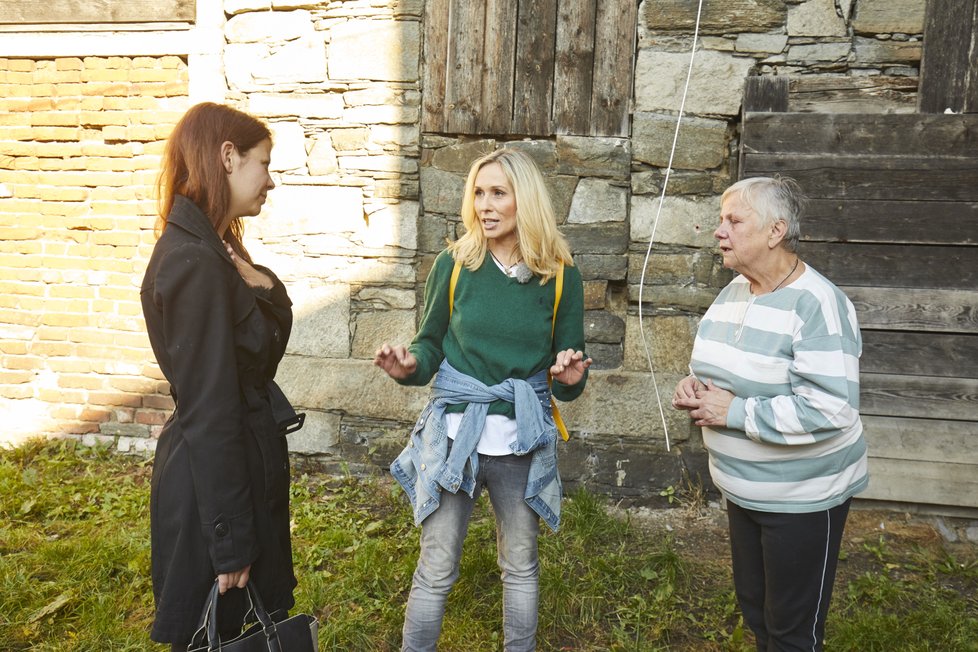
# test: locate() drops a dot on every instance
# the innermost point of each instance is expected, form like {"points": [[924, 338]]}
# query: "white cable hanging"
{"points": [[655, 223]]}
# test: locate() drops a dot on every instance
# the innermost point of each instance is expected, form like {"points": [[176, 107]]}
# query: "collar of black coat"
{"points": [[188, 216]]}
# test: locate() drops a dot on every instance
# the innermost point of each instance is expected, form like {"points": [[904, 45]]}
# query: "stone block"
{"points": [[459, 157], [395, 136], [289, 150], [702, 143], [319, 434], [612, 267], [350, 139], [889, 17], [604, 356], [381, 94], [602, 238], [595, 295], [669, 340], [301, 210], [325, 106], [816, 18], [716, 86], [441, 192], [321, 322], [386, 114], [682, 221], [674, 297], [379, 163], [375, 50], [348, 386], [300, 61], [818, 53], [543, 152], [594, 157], [433, 232], [596, 200], [234, 7], [561, 189], [673, 268], [394, 225], [374, 328], [717, 17], [871, 50], [387, 298], [322, 157], [602, 326], [269, 27], [761, 43]]}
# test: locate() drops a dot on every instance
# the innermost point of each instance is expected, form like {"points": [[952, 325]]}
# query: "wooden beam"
{"points": [[919, 354], [573, 67], [533, 88], [499, 63], [918, 222], [918, 396], [464, 68], [935, 483], [895, 266], [948, 74], [435, 60], [925, 440], [614, 55], [932, 310], [861, 134], [105, 11], [766, 94]]}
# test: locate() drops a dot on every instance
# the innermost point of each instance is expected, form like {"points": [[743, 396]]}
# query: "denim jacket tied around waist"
{"points": [[426, 466]]}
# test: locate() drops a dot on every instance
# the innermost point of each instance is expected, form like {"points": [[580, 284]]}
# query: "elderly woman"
{"points": [[775, 386]]}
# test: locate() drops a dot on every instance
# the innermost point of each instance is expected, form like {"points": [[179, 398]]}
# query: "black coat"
{"points": [[220, 490]]}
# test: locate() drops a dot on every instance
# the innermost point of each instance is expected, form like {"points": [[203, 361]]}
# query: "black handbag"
{"points": [[299, 633]]}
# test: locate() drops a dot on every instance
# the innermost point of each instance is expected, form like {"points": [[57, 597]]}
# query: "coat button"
{"points": [[424, 466], [221, 530]]}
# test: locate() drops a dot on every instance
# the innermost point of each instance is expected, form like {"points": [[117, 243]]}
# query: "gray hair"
{"points": [[772, 199]]}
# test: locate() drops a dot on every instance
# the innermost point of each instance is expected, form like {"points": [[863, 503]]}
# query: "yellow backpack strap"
{"points": [[451, 288], [558, 290]]}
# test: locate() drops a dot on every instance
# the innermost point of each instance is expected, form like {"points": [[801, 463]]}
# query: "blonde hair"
{"points": [[540, 245]]}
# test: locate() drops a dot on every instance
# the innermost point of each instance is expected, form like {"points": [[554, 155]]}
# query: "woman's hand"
{"points": [[569, 367], [712, 407], [685, 396], [252, 277], [236, 580], [397, 361]]}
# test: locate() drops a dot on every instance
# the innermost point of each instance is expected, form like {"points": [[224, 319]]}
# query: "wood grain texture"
{"points": [[948, 74], [933, 310], [929, 440], [614, 47], [766, 94], [923, 397], [102, 11], [435, 60], [533, 87], [919, 354], [912, 481], [464, 68], [894, 265], [573, 67], [910, 222], [499, 62]]}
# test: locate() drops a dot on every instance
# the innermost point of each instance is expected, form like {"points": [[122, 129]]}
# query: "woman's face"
{"points": [[249, 179], [743, 237], [495, 205]]}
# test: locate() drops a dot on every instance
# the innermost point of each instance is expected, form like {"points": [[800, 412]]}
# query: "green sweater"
{"points": [[499, 327]]}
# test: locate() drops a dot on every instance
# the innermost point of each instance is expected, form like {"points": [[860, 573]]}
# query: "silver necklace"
{"points": [[786, 277]]}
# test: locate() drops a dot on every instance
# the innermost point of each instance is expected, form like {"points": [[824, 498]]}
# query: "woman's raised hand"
{"points": [[397, 361], [569, 367], [252, 277]]}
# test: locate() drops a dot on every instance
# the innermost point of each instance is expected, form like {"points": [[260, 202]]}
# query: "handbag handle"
{"points": [[208, 620]]}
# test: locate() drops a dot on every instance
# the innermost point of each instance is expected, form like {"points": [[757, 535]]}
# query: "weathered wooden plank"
{"points": [[106, 11], [919, 354], [934, 483], [498, 66], [861, 134], [463, 76], [614, 49], [923, 222], [947, 75], [927, 397], [766, 94], [926, 440], [840, 93], [947, 311], [574, 63], [435, 60], [533, 86], [918, 266], [872, 177], [716, 18]]}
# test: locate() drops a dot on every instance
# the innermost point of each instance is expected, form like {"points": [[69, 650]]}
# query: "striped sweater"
{"points": [[794, 441]]}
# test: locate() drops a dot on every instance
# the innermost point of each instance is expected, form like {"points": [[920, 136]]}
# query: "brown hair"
{"points": [[192, 163]]}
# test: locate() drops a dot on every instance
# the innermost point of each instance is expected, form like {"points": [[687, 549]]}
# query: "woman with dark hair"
{"points": [[218, 325], [504, 305]]}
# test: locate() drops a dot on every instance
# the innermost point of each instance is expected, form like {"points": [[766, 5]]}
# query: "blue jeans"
{"points": [[442, 534]]}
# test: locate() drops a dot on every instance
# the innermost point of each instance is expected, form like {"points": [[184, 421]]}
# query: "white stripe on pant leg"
{"points": [[821, 588]]}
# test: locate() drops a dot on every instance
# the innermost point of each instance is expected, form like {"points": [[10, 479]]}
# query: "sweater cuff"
{"points": [[737, 414]]}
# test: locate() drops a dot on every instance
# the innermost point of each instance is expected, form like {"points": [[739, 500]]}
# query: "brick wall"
{"points": [[80, 145]]}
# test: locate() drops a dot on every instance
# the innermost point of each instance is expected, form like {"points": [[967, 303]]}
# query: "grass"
{"points": [[74, 572]]}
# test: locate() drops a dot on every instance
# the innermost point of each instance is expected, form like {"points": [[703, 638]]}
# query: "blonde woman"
{"points": [[513, 312]]}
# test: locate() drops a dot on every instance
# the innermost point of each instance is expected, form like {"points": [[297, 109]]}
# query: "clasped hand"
{"points": [[706, 403]]}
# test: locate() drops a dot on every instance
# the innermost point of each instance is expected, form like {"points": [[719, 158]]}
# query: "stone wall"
{"points": [[365, 201]]}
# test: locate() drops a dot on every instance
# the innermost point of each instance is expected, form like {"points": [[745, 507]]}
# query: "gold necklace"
{"points": [[788, 276]]}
